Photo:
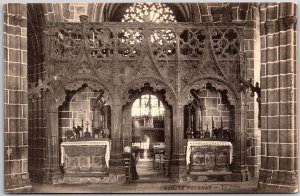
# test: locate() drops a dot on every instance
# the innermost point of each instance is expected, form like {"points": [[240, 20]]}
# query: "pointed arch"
{"points": [[155, 83]]}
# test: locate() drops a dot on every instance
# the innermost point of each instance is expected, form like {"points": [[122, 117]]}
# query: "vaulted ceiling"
{"points": [[112, 12]]}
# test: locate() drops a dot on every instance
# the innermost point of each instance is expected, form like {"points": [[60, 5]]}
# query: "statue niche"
{"points": [[100, 119]]}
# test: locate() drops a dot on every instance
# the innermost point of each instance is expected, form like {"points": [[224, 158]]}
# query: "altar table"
{"points": [[209, 156], [85, 156]]}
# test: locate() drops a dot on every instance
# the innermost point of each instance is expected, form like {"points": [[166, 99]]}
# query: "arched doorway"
{"points": [[146, 127]]}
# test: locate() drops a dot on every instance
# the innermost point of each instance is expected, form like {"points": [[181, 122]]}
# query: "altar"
{"points": [[85, 158], [209, 157]]}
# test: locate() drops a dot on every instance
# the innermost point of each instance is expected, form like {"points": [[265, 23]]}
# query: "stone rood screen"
{"points": [[107, 41]]}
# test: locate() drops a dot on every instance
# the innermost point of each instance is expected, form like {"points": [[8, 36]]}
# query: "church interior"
{"points": [[122, 93]]}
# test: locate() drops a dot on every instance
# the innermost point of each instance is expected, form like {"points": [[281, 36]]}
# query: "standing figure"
{"points": [[132, 164]]}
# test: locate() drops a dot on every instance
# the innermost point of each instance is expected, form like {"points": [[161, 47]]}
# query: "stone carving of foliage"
{"points": [[42, 86], [100, 43], [66, 42]]}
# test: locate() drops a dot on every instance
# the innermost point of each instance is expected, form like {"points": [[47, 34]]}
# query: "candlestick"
{"points": [[82, 123], [212, 122], [73, 123]]}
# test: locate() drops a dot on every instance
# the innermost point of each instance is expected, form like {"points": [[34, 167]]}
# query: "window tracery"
{"points": [[162, 40], [149, 12]]}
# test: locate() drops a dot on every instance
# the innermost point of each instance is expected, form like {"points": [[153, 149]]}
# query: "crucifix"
{"points": [[87, 126]]}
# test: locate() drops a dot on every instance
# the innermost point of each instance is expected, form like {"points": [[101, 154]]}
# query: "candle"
{"points": [[212, 122], [192, 126], [73, 123], [221, 122], [200, 120], [82, 123], [189, 119]]}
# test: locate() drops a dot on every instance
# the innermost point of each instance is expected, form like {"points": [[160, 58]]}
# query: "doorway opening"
{"points": [[148, 135], [147, 122]]}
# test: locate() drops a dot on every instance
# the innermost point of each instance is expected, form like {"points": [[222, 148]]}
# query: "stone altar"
{"points": [[208, 157], [85, 158]]}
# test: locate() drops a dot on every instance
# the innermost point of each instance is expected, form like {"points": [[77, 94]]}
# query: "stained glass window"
{"points": [[149, 12]]}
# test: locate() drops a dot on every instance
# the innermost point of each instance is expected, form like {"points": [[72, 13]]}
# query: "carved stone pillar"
{"points": [[279, 157], [178, 170], [127, 126], [240, 170], [52, 171], [168, 139], [116, 162]]}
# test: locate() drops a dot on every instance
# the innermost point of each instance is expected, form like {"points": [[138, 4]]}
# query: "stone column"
{"points": [[127, 126], [278, 104], [240, 171], [52, 171], [178, 172], [168, 139], [116, 162]]}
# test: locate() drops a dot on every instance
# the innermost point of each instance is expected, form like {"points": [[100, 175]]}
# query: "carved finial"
{"points": [[288, 22]]}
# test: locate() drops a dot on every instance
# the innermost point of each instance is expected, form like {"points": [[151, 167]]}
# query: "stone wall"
{"points": [[16, 176], [216, 107], [278, 81], [78, 111]]}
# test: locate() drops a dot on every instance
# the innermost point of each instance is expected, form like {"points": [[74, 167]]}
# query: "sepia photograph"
{"points": [[149, 97]]}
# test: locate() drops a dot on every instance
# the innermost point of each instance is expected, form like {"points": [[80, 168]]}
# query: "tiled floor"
{"points": [[150, 181]]}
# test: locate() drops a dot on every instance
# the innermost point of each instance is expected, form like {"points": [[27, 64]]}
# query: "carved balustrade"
{"points": [[169, 41]]}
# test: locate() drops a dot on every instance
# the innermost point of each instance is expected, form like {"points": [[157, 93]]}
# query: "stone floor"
{"points": [[150, 181]]}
